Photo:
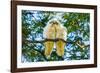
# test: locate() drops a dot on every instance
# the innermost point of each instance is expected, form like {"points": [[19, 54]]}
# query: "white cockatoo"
{"points": [[54, 30]]}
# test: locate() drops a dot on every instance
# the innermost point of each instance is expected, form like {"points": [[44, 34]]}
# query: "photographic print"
{"points": [[53, 37], [73, 28]]}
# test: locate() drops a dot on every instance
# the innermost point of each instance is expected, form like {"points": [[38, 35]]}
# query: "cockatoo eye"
{"points": [[56, 23]]}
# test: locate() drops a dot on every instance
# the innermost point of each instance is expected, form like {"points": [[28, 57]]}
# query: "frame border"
{"points": [[14, 35]]}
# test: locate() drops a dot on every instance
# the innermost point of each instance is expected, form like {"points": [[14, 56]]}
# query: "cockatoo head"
{"points": [[54, 22]]}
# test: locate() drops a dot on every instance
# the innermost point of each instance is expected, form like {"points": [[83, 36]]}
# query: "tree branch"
{"points": [[41, 52], [45, 40], [55, 40]]}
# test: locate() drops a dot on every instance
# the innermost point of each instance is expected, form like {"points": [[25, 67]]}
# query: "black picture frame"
{"points": [[45, 4]]}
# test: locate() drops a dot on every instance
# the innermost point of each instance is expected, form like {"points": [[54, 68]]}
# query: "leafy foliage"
{"points": [[77, 24]]}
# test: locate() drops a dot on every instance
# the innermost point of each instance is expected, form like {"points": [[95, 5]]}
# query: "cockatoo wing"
{"points": [[60, 45], [48, 48], [48, 33]]}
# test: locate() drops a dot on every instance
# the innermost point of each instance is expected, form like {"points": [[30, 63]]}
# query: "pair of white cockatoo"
{"points": [[53, 30]]}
